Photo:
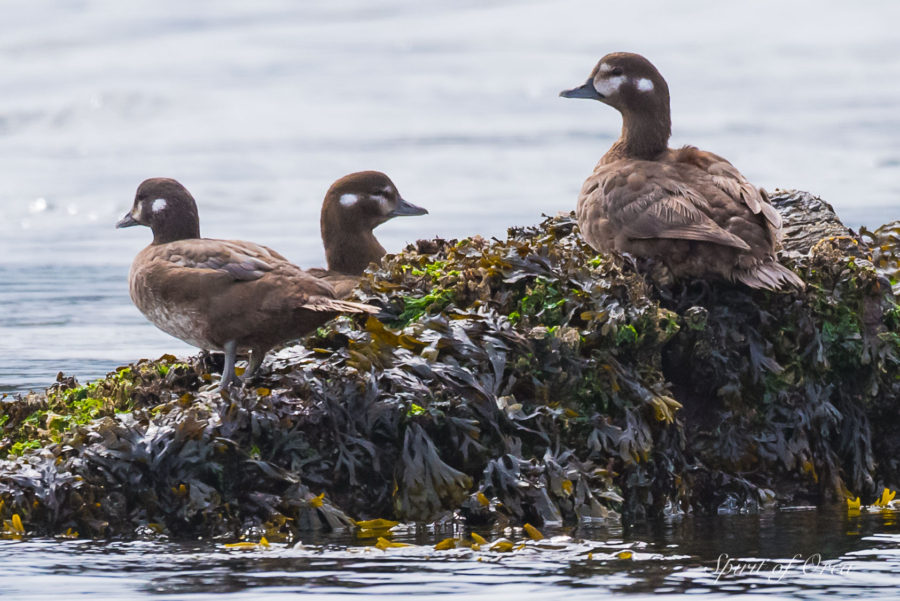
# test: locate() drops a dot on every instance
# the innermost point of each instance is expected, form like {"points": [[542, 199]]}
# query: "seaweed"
{"points": [[526, 380]]}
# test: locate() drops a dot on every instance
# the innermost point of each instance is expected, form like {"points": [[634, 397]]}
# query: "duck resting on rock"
{"points": [[226, 295], [689, 208], [354, 206]]}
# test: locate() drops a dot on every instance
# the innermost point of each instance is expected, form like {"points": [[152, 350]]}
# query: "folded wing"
{"points": [[644, 202]]}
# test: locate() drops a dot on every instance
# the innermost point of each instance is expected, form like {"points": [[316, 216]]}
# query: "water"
{"points": [[800, 554], [257, 107]]}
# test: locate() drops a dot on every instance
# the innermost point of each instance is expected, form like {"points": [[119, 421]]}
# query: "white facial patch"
{"points": [[608, 87], [137, 210], [644, 85], [159, 205], [605, 67], [348, 200]]}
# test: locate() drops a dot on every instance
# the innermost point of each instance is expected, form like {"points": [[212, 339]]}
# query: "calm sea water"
{"points": [[258, 106], [802, 554]]}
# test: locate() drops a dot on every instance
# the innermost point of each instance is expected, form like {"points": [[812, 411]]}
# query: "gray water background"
{"points": [[258, 106]]}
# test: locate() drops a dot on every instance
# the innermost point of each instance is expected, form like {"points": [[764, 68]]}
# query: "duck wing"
{"points": [[242, 261], [725, 176], [335, 305], [247, 261], [231, 280], [225, 269], [647, 199]]}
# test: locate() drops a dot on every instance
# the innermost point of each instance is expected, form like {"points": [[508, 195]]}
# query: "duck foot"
{"points": [[228, 375]]}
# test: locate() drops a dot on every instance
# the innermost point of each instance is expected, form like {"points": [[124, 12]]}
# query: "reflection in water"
{"points": [[845, 556]]}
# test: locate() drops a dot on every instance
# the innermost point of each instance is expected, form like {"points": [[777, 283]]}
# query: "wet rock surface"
{"points": [[522, 380], [807, 220]]}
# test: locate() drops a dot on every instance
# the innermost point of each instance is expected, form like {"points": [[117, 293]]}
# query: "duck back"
{"points": [[691, 209]]}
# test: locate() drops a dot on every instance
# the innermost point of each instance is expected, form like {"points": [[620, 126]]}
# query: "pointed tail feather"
{"points": [[332, 305], [769, 276]]}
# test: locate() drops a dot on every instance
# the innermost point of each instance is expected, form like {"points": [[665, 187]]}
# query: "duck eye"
{"points": [[616, 71]]}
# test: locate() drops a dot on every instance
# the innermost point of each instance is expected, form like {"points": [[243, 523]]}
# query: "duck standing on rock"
{"points": [[689, 208], [354, 206], [226, 295]]}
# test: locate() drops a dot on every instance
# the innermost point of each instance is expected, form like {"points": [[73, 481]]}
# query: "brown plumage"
{"points": [[689, 208], [354, 206], [226, 295]]}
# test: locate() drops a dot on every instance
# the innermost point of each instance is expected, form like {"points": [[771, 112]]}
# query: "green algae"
{"points": [[526, 380], [41, 419]]}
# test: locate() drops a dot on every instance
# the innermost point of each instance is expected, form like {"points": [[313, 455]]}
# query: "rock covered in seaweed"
{"points": [[884, 244], [523, 380]]}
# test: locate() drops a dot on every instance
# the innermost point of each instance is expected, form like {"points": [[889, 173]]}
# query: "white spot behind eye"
{"points": [[644, 85], [159, 205], [609, 86], [348, 200]]}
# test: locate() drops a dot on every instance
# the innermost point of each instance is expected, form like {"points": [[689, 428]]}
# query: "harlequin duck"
{"points": [[354, 206], [226, 295], [689, 208]]}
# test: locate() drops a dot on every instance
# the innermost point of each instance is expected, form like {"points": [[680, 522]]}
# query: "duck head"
{"points": [[354, 206], [167, 208], [365, 200], [625, 81], [631, 84]]}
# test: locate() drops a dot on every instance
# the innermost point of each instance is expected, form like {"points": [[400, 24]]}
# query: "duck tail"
{"points": [[769, 276], [333, 305]]}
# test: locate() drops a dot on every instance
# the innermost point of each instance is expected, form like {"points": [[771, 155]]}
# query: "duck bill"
{"points": [[126, 221], [587, 90], [407, 209]]}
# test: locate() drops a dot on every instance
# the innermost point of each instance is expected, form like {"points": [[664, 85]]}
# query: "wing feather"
{"points": [[242, 261], [331, 305], [728, 179], [641, 201]]}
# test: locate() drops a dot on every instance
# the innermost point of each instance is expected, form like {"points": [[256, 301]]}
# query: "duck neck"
{"points": [[350, 251], [174, 230], [643, 136]]}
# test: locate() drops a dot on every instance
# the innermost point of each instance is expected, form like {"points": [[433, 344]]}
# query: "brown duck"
{"points": [[226, 295], [354, 206], [689, 208]]}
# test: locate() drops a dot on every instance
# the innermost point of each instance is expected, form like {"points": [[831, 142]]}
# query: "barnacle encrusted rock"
{"points": [[505, 381]]}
